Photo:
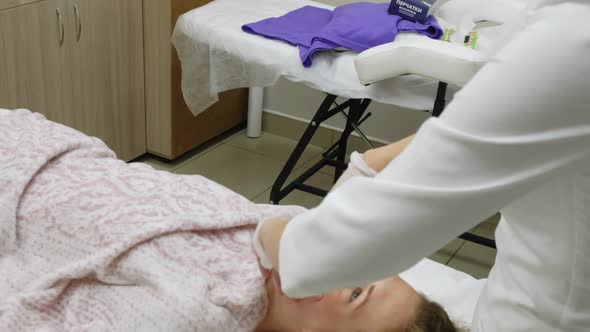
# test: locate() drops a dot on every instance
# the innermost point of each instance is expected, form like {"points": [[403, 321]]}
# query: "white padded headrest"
{"points": [[420, 55], [500, 11], [447, 62], [456, 291]]}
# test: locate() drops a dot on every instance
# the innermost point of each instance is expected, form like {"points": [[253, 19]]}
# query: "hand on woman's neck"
{"points": [[276, 319]]}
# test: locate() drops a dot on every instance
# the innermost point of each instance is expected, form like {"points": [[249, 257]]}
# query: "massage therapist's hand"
{"points": [[372, 161], [269, 232], [357, 167], [267, 241], [266, 245]]}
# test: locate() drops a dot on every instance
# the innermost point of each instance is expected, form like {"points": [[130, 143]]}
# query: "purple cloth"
{"points": [[296, 28], [356, 26]]}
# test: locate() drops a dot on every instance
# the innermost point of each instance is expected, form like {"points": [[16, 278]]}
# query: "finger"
{"points": [[276, 279], [265, 272], [259, 249]]}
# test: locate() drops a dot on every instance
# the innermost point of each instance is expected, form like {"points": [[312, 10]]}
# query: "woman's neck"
{"points": [[275, 320]]}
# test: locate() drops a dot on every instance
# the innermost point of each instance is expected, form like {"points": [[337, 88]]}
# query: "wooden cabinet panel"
{"points": [[6, 4], [109, 75], [171, 128], [80, 63], [229, 111], [32, 61], [156, 31]]}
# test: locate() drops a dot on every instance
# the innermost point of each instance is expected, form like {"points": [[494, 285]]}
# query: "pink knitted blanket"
{"points": [[90, 243]]}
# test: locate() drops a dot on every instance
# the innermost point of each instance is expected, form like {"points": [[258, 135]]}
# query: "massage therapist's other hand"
{"points": [[268, 234], [378, 158], [372, 161], [357, 167]]}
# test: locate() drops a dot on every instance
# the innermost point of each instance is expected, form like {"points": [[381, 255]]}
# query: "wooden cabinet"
{"points": [[84, 63], [171, 127], [80, 63], [33, 60]]}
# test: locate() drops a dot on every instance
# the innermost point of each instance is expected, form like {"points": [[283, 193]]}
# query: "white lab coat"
{"points": [[516, 139]]}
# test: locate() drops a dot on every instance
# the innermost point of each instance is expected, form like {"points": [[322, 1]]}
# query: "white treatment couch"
{"points": [[413, 71]]}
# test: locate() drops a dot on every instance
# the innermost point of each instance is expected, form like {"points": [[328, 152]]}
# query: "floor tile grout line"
{"points": [[258, 195], [300, 166], [256, 153], [214, 145], [302, 163], [297, 168], [197, 156], [228, 142], [455, 253]]}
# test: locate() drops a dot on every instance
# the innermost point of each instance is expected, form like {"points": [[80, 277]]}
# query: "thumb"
{"points": [[276, 280], [263, 259]]}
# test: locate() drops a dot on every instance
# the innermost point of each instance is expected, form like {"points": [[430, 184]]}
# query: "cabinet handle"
{"points": [[60, 27], [78, 22]]}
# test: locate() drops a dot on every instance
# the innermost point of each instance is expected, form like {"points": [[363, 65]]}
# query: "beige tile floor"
{"points": [[249, 167]]}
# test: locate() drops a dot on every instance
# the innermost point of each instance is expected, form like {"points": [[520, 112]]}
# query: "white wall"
{"points": [[388, 123]]}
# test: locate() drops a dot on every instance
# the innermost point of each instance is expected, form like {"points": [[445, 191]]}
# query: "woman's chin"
{"points": [[276, 292], [311, 299]]}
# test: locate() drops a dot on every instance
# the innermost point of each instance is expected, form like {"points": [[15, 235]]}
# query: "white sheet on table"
{"points": [[456, 291], [216, 56]]}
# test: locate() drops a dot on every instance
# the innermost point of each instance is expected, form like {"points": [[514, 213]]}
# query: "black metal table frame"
{"points": [[336, 154]]}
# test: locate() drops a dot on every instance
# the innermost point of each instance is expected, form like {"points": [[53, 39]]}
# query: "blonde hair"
{"points": [[432, 317]]}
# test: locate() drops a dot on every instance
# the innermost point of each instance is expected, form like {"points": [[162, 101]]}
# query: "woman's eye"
{"points": [[355, 294]]}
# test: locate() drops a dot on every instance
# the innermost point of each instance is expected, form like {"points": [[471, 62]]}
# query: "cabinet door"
{"points": [[109, 75], [33, 56]]}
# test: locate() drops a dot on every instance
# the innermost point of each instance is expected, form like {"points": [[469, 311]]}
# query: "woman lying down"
{"points": [[89, 243]]}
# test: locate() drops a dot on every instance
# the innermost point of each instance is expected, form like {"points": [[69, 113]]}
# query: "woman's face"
{"points": [[387, 305]]}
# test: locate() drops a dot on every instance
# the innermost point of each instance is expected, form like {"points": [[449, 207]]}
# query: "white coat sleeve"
{"points": [[523, 119]]}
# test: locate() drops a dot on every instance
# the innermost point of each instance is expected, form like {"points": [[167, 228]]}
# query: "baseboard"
{"points": [[292, 127]]}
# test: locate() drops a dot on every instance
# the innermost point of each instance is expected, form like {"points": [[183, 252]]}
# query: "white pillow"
{"points": [[415, 54], [456, 291]]}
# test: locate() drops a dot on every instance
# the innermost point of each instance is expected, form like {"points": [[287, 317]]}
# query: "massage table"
{"points": [[413, 72]]}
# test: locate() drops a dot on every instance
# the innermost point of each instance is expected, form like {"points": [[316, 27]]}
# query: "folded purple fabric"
{"points": [[357, 26], [297, 27]]}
